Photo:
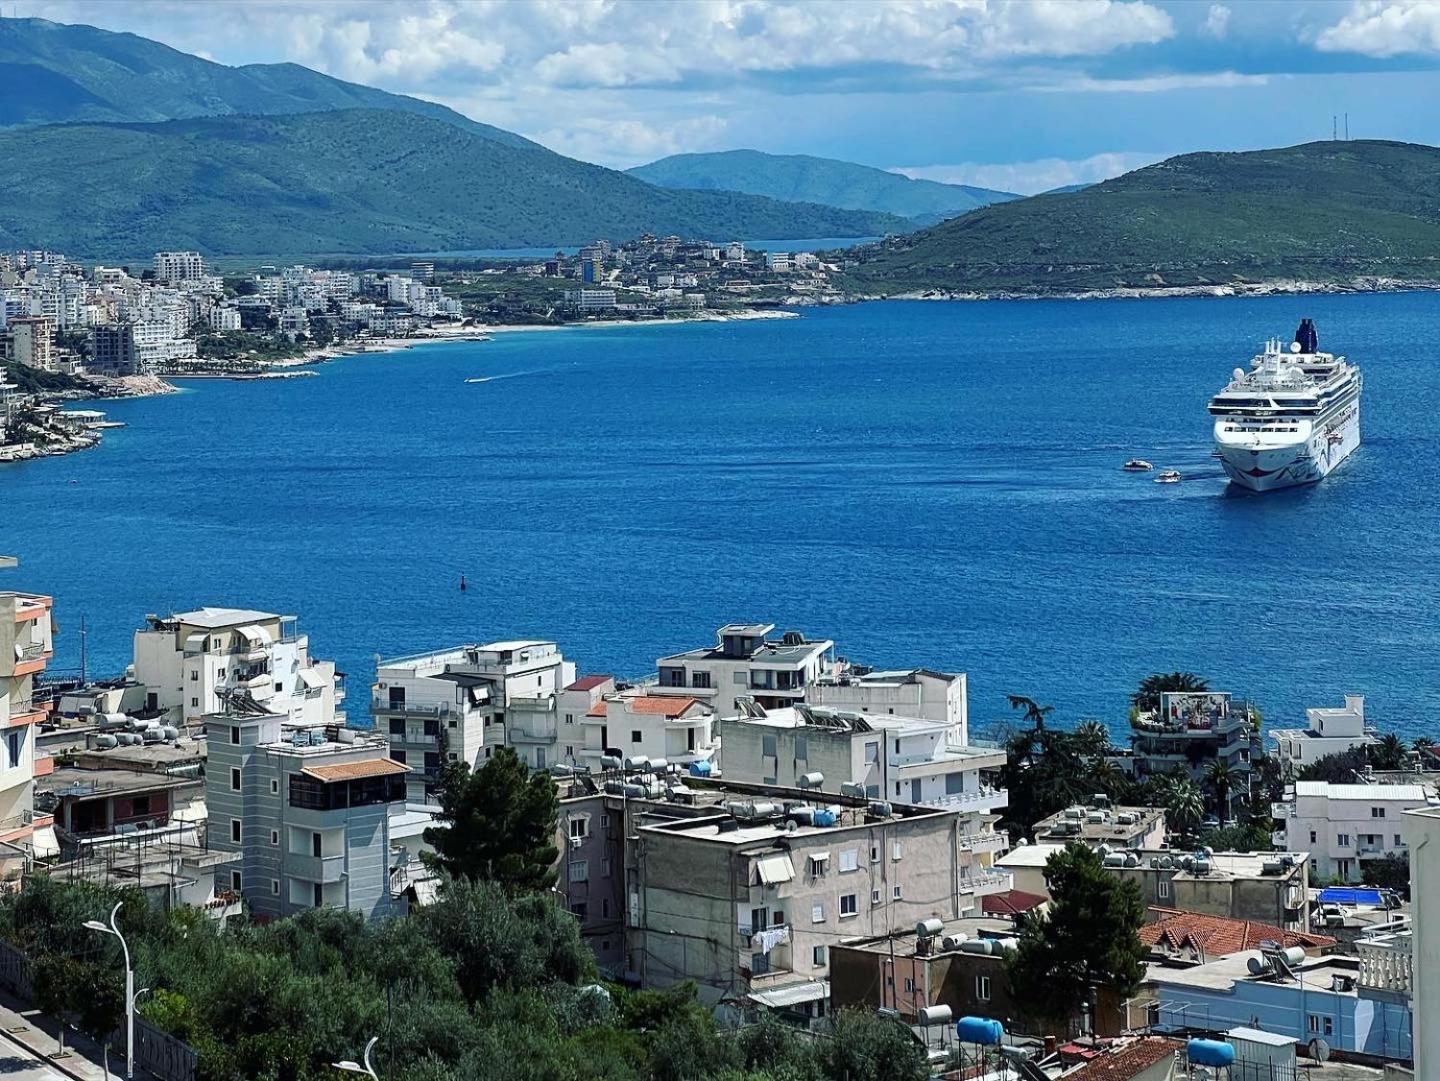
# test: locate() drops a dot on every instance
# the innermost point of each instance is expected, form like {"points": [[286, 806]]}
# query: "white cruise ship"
{"points": [[1291, 419]]}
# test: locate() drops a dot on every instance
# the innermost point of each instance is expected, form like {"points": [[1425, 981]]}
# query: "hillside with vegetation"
{"points": [[349, 181], [801, 178], [1331, 213], [53, 72]]}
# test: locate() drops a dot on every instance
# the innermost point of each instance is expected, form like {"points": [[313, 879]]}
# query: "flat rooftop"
{"points": [[1367, 793], [903, 943], [217, 618], [1063, 826], [1223, 974], [73, 783]]}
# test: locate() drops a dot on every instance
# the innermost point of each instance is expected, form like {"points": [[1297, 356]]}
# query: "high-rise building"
{"points": [[32, 341], [173, 267], [26, 645]]}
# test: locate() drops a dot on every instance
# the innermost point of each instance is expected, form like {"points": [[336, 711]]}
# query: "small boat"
{"points": [[1168, 476], [1137, 465], [482, 379]]}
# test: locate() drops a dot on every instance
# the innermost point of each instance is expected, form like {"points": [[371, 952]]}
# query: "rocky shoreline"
{"points": [[1280, 287]]}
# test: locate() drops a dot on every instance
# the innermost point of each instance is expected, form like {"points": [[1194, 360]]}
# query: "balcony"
{"points": [[323, 869], [380, 706], [985, 885], [983, 799], [989, 841]]}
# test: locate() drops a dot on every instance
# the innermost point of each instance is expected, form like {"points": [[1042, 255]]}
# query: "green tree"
{"points": [[1220, 779], [867, 1047], [1146, 698], [1092, 737], [1339, 768], [1389, 873], [1184, 805], [499, 824], [1034, 713], [1389, 753], [1087, 937]]}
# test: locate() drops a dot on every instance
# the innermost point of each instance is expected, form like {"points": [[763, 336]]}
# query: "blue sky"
{"points": [[1017, 94]]}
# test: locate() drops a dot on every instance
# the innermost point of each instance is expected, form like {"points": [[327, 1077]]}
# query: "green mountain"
{"points": [[819, 180], [352, 181], [1328, 212], [54, 72]]}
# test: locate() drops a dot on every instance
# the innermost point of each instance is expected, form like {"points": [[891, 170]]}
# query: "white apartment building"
{"points": [[32, 341], [907, 760], [222, 318], [1422, 830], [174, 267], [915, 692], [26, 645], [745, 663], [191, 662], [1344, 825], [455, 705], [630, 725], [1330, 731]]}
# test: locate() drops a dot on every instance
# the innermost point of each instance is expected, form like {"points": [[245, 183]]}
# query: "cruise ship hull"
{"points": [[1266, 467]]}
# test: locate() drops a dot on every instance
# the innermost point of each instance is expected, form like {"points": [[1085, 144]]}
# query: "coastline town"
{"points": [[782, 833], [71, 331]]}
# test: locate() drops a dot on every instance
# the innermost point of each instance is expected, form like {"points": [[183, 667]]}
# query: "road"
{"points": [[22, 1065]]}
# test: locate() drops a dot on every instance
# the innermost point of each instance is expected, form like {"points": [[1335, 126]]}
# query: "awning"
{"points": [[774, 869], [312, 678], [255, 634], [44, 843], [356, 771], [792, 994], [426, 890]]}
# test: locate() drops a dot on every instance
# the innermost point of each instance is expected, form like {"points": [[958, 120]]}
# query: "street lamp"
{"points": [[130, 995], [356, 1067]]}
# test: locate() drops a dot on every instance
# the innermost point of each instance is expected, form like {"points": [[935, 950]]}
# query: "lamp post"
{"points": [[361, 1067], [130, 996]]}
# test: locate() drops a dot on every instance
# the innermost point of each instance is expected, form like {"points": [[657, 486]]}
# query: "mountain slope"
{"points": [[54, 72], [801, 178], [1328, 212], [350, 181]]}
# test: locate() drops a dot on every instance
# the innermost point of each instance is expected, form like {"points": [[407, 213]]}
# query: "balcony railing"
{"points": [[323, 869], [989, 841], [31, 651], [979, 799], [984, 885], [412, 709]]}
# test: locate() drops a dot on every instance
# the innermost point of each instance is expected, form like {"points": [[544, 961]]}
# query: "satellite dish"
{"points": [[1238, 374], [1294, 347], [1319, 1050]]}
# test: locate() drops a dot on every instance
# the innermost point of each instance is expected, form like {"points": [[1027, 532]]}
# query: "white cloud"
{"points": [[1217, 22], [1381, 29], [1155, 84], [1031, 177], [621, 144]]}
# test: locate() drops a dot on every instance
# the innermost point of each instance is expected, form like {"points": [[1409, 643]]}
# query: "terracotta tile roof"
{"points": [[599, 709], [1217, 936], [589, 683], [1010, 903], [356, 771], [660, 705], [1125, 1062]]}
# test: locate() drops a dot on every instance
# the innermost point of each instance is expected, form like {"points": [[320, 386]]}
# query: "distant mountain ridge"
{"points": [[347, 181], [802, 178], [57, 72], [1327, 212]]}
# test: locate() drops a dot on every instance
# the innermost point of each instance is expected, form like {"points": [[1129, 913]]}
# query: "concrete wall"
{"points": [[1422, 830]]}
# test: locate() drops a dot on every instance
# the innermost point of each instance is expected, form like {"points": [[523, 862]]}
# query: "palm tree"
{"points": [[1389, 753], [1184, 804], [1033, 711], [1221, 778], [1107, 776], [1146, 698], [1091, 737]]}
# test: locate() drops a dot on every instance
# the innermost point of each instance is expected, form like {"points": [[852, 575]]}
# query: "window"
{"points": [[579, 910], [1320, 1024], [817, 957], [1399, 841], [700, 679], [1342, 840], [739, 678], [605, 867], [397, 726], [909, 985], [1313, 837], [605, 908], [397, 756], [895, 892], [872, 753], [274, 837], [140, 805], [897, 746], [1377, 812], [319, 895], [897, 850], [847, 905], [874, 853], [635, 735], [235, 831], [195, 702], [604, 822], [580, 827], [579, 870], [982, 988], [817, 912], [875, 896], [234, 779], [802, 747], [1162, 889], [235, 881], [849, 859], [954, 784], [194, 675], [274, 786], [274, 887], [569, 718], [767, 746]]}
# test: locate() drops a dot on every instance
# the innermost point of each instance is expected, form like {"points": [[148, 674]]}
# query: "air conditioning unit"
{"points": [[576, 842]]}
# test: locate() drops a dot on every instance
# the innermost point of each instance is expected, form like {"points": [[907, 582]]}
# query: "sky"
{"points": [[1021, 95]]}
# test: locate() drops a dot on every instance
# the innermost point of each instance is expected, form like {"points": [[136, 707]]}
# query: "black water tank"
{"points": [[1308, 340]]}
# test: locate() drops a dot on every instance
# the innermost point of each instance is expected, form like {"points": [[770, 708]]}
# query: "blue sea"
{"points": [[927, 483]]}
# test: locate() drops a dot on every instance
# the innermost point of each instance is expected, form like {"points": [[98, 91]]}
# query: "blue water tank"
{"points": [[979, 1030], [700, 768], [1210, 1053], [824, 816]]}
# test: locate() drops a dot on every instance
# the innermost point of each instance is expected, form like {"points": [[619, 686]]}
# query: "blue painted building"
{"points": [[1316, 997]]}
